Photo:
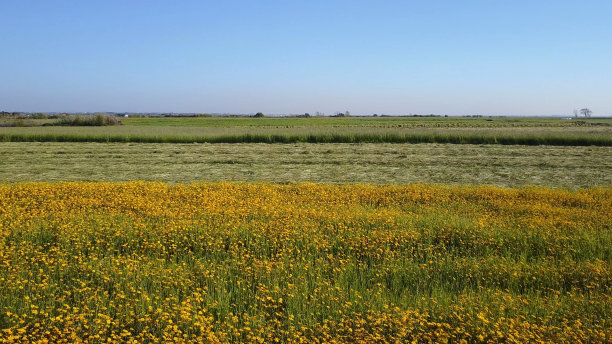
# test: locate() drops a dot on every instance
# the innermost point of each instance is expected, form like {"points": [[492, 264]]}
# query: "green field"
{"points": [[421, 121], [421, 241], [523, 131], [366, 121], [151, 262], [509, 166]]}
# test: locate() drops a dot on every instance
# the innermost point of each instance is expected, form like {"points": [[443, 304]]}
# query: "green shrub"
{"points": [[19, 123], [88, 120]]}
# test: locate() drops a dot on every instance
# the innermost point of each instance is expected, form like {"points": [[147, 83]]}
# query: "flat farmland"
{"points": [[508, 166], [153, 262], [307, 230], [526, 131], [406, 121]]}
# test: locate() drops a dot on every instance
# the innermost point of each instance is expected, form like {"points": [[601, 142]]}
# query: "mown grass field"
{"points": [[152, 262], [523, 131], [508, 166]]}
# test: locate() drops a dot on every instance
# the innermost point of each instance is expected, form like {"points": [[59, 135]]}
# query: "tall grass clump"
{"points": [[18, 123], [87, 120]]}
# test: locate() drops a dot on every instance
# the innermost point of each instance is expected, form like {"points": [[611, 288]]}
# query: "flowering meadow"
{"points": [[147, 262]]}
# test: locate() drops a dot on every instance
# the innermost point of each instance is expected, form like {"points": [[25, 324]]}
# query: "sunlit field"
{"points": [[267, 172], [507, 131], [371, 163], [264, 263]]}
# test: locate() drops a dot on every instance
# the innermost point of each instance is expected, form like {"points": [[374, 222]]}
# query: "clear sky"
{"points": [[452, 57]]}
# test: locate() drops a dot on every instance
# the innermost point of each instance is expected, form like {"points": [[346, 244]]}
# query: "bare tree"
{"points": [[575, 113], [586, 112]]}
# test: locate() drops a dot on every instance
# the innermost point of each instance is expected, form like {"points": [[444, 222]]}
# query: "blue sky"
{"points": [[386, 57]]}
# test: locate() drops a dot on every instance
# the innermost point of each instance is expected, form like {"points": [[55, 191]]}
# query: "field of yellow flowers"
{"points": [[265, 263]]}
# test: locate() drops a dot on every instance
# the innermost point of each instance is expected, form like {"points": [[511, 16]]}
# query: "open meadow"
{"points": [[509, 131], [345, 233], [305, 172], [152, 262], [372, 163]]}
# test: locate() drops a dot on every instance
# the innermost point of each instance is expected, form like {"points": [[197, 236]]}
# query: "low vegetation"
{"points": [[152, 262], [61, 120], [330, 130], [380, 163], [320, 138], [392, 261], [88, 121]]}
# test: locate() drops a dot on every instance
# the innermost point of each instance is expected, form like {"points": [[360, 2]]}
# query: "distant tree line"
{"points": [[586, 112]]}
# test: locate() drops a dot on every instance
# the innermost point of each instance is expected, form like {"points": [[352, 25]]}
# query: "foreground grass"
{"points": [[330, 130], [315, 263], [510, 166]]}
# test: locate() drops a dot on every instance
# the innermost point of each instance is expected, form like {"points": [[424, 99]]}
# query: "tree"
{"points": [[586, 112], [259, 115]]}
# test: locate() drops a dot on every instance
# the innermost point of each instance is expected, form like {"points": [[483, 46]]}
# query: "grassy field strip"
{"points": [[570, 136], [405, 122], [418, 122], [223, 263], [567, 167]]}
